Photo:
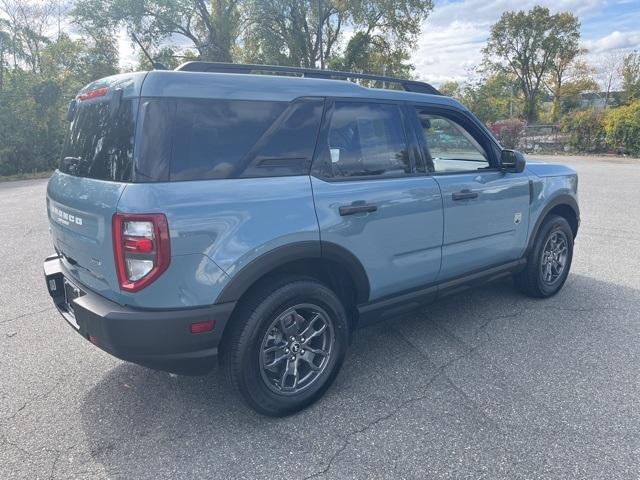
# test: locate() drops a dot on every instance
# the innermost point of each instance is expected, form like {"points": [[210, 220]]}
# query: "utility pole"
{"points": [[320, 34]]}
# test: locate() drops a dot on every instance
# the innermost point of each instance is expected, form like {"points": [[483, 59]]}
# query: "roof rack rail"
{"points": [[244, 68]]}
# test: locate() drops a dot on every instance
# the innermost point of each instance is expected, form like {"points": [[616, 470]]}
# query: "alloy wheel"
{"points": [[554, 257], [296, 349]]}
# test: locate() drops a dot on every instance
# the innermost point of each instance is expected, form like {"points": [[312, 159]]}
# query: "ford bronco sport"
{"points": [[217, 210]]}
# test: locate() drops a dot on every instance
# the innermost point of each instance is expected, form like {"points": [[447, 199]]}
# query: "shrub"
{"points": [[508, 132], [585, 130], [622, 128]]}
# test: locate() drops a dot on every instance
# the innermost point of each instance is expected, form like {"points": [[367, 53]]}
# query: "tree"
{"points": [[211, 28], [47, 70], [585, 130], [565, 67], [5, 46], [367, 54], [630, 72], [286, 32], [622, 128], [572, 92], [29, 23], [528, 44], [492, 97], [450, 88]]}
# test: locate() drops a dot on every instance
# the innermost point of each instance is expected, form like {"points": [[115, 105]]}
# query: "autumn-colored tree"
{"points": [[531, 45]]}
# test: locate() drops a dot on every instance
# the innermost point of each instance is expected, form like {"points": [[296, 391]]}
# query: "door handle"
{"points": [[357, 208], [464, 194]]}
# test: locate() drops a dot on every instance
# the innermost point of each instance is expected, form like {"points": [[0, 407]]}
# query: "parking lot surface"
{"points": [[486, 384]]}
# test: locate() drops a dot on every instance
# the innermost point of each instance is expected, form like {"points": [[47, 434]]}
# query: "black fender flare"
{"points": [[279, 256], [562, 199]]}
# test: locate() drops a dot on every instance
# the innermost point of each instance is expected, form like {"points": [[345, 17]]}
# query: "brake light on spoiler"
{"points": [[141, 248], [98, 92]]}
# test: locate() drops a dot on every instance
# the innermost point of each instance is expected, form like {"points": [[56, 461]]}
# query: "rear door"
{"points": [[82, 196], [369, 199], [486, 210]]}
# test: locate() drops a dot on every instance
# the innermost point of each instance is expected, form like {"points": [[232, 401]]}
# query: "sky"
{"points": [[453, 36], [455, 32]]}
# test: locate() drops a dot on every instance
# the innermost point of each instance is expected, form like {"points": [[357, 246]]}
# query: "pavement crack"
{"points": [[56, 459], [35, 398], [7, 320], [27, 454], [483, 327], [346, 439]]}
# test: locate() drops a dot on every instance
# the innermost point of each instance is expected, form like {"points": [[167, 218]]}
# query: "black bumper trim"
{"points": [[155, 338]]}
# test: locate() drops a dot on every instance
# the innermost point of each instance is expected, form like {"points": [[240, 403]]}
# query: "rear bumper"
{"points": [[155, 338]]}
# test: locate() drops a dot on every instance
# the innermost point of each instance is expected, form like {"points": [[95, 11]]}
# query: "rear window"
{"points": [[184, 139], [100, 141]]}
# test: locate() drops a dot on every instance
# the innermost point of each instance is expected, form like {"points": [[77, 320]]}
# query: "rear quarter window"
{"points": [[185, 139], [211, 138]]}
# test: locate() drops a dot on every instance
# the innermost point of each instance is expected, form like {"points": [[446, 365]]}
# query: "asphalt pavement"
{"points": [[486, 384]]}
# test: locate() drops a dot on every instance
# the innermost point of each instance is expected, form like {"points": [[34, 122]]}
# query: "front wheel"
{"points": [[286, 345], [550, 259]]}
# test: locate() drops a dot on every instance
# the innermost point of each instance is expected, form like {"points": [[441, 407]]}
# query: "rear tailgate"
{"points": [[95, 167], [80, 213]]}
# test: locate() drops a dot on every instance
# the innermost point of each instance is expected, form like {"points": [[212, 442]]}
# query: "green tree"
{"points": [[286, 32], [46, 72], [631, 76], [5, 47], [212, 27], [367, 54], [622, 128], [29, 23], [571, 95], [565, 67], [450, 88], [491, 98], [527, 44], [585, 129]]}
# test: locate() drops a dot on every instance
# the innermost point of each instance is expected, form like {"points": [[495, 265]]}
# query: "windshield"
{"points": [[100, 141]]}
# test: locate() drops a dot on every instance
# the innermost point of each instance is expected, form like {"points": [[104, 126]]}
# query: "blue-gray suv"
{"points": [[259, 214]]}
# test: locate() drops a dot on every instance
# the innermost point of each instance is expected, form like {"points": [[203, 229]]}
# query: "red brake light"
{"points": [[98, 92], [141, 248]]}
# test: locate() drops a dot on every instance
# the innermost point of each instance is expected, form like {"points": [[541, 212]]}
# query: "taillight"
{"points": [[141, 248]]}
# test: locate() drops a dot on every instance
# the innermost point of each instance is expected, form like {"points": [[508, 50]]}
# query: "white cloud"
{"points": [[614, 41], [453, 36]]}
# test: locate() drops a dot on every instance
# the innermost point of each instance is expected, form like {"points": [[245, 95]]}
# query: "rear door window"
{"points": [[364, 140]]}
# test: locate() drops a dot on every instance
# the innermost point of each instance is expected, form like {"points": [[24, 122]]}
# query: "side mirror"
{"points": [[512, 161]]}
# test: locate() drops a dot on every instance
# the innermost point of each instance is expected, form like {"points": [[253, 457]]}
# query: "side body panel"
{"points": [[399, 244], [487, 230], [551, 184], [218, 227]]}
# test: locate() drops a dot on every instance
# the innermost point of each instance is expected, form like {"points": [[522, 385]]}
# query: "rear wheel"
{"points": [[550, 259], [286, 345]]}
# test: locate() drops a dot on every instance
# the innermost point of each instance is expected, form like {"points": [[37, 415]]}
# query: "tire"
{"points": [[257, 340], [535, 280]]}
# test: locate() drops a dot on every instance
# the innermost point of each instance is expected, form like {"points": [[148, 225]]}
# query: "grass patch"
{"points": [[26, 176]]}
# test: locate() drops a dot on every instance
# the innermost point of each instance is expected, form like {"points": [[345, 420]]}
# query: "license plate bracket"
{"points": [[71, 293]]}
